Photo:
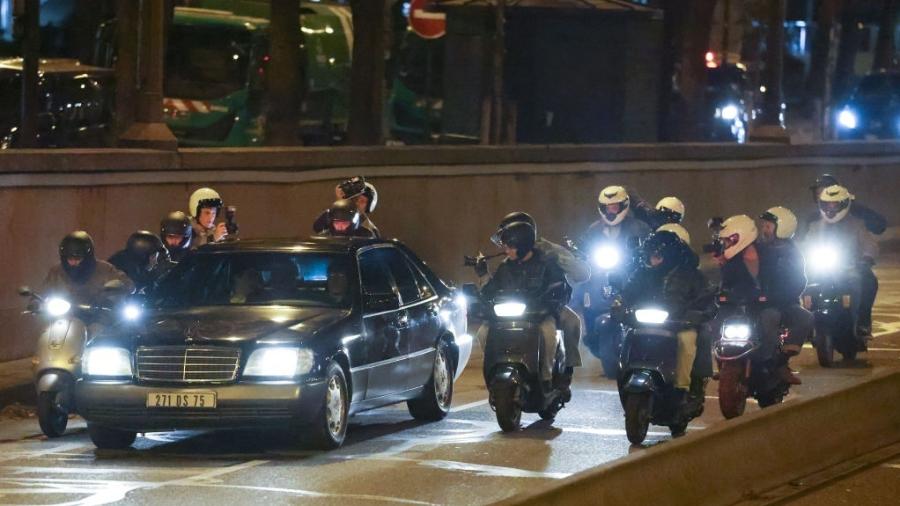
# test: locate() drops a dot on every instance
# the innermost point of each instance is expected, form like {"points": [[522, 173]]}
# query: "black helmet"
{"points": [[512, 218], [822, 182], [177, 223], [343, 217], [142, 245], [519, 235], [79, 245], [667, 245]]}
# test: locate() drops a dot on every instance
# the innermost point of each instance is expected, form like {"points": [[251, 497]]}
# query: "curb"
{"points": [[742, 458]]}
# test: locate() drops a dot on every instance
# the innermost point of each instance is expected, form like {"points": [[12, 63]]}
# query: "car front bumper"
{"points": [[123, 405]]}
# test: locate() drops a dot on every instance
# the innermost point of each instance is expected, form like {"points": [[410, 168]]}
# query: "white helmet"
{"points": [[613, 195], [785, 221], [673, 206], [204, 197], [678, 230], [737, 233], [834, 203]]}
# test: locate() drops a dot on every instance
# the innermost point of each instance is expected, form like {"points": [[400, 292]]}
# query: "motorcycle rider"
{"points": [[176, 232], [670, 276], [343, 219], [363, 195], [616, 221], [205, 205], [837, 225], [80, 277], [527, 268], [783, 279], [143, 260], [576, 271]]}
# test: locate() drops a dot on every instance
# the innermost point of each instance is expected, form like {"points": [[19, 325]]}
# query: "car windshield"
{"points": [[257, 278], [204, 63], [880, 85]]}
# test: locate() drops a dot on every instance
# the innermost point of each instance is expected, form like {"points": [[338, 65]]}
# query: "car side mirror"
{"points": [[470, 290], [378, 302]]}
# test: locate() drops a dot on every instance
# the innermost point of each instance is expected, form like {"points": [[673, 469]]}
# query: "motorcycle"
{"points": [[828, 297], [595, 298], [743, 371], [513, 354], [647, 375], [57, 358]]}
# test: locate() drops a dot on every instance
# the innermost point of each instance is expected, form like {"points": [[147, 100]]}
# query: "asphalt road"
{"points": [[388, 457]]}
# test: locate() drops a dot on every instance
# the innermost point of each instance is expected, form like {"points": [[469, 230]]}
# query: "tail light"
{"points": [[807, 302], [845, 301]]}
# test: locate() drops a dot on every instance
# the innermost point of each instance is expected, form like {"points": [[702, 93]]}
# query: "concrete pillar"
{"points": [[31, 53], [771, 126]]}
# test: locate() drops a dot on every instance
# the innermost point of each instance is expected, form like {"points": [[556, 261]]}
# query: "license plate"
{"points": [[192, 400]]}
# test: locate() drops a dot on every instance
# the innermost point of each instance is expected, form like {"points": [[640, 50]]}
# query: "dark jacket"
{"points": [[623, 233], [533, 278], [682, 290], [782, 272], [737, 281], [874, 222], [140, 276], [88, 292], [321, 224]]}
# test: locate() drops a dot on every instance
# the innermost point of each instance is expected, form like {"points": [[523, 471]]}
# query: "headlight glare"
{"points": [[131, 312], [824, 258], [736, 332], [278, 361], [106, 361], [56, 306], [730, 112], [606, 257], [848, 119], [509, 309], [651, 315]]}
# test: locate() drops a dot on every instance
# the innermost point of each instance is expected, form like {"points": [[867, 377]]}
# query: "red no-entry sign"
{"points": [[426, 21]]}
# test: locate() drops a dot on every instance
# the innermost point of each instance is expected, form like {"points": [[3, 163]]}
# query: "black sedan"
{"points": [[284, 334]]}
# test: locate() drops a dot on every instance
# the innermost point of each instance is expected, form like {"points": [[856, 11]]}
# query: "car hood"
{"points": [[233, 325]]}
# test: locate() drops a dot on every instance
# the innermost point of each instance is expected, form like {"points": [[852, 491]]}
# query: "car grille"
{"points": [[187, 364]]}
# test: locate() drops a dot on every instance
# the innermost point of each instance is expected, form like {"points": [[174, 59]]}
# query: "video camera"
{"points": [[230, 223], [353, 186], [716, 246]]}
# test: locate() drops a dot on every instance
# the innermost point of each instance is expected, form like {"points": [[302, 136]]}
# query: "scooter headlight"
{"points": [[132, 312], [824, 258], [56, 306], [736, 333], [729, 112], [106, 361], [509, 309], [606, 257], [651, 316]]}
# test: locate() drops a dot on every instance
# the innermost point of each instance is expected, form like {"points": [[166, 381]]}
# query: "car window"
{"points": [[403, 275], [424, 287], [375, 272]]}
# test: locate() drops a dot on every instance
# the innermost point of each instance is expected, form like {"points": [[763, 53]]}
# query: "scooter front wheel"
{"points": [[51, 418], [637, 417], [732, 388], [507, 407], [824, 344]]}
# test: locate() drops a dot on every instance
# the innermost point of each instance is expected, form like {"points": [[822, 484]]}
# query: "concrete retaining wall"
{"points": [[444, 202], [741, 458]]}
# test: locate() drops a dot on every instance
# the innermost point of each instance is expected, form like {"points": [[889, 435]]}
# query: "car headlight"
{"points": [[56, 306], [729, 112], [606, 257], [824, 258], [131, 312], [278, 361], [509, 309], [736, 332], [848, 119], [106, 361], [651, 315]]}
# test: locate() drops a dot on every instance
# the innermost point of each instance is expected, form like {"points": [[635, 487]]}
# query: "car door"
{"points": [[385, 324]]}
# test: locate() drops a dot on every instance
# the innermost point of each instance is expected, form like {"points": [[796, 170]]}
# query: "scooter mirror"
{"points": [[24, 291]]}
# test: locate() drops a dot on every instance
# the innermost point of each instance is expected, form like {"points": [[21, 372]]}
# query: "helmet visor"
{"points": [[341, 225], [832, 208]]}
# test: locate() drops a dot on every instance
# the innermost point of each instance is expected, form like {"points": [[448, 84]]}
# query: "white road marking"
{"points": [[892, 466], [456, 409], [40, 453], [477, 469]]}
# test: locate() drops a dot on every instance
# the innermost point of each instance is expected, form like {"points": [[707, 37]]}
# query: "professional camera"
{"points": [[230, 223], [716, 247], [353, 186]]}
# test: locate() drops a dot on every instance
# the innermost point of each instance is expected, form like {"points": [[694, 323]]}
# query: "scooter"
{"points": [[647, 375], [513, 354], [828, 297], [57, 358], [743, 371]]}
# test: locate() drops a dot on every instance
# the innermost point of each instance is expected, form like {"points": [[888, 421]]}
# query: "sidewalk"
{"points": [[16, 383]]}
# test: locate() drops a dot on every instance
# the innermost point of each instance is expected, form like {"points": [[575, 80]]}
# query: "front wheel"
{"points": [[434, 403], [507, 406], [51, 417], [110, 439], [732, 389], [824, 345], [330, 426], [637, 417]]}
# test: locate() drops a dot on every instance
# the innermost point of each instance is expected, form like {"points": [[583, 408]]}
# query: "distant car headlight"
{"points": [[737, 333], [730, 112], [651, 315], [848, 119], [606, 257], [824, 258], [509, 309], [279, 361], [106, 361], [56, 306], [132, 312]]}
